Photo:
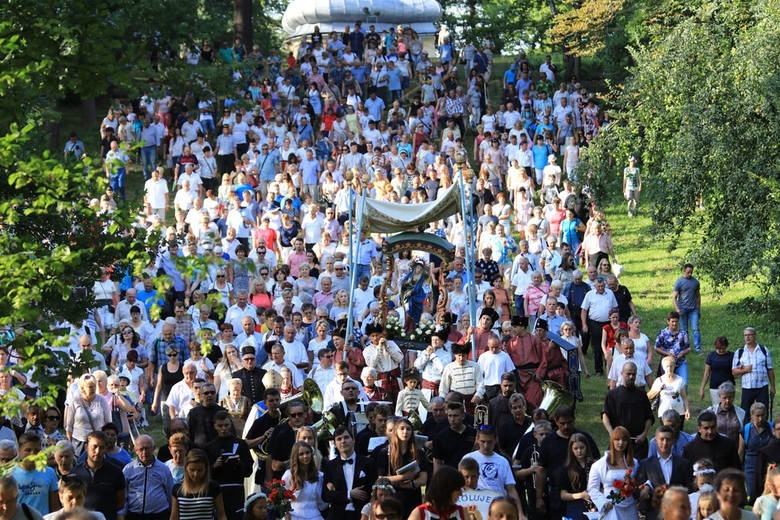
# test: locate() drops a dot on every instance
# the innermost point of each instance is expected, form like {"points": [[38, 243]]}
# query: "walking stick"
{"points": [[771, 405]]}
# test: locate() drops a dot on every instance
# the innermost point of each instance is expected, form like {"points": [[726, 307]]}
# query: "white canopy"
{"points": [[390, 217], [301, 16]]}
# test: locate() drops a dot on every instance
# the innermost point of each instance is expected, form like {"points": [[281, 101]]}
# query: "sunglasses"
{"points": [[52, 417], [297, 414], [127, 331], [249, 358], [220, 276], [212, 392]]}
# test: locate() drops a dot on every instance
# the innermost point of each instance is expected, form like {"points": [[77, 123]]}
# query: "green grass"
{"points": [[650, 273]]}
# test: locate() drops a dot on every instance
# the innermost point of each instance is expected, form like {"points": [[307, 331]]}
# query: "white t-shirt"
{"points": [[495, 473]]}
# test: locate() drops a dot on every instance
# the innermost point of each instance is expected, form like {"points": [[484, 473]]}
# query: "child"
{"points": [[708, 504], [704, 474], [130, 370], [204, 365], [256, 507], [72, 494], [126, 393], [766, 504], [37, 489], [502, 509], [469, 468], [379, 491], [410, 398]]}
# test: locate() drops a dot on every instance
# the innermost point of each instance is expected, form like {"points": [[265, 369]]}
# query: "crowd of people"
{"points": [[258, 379]]}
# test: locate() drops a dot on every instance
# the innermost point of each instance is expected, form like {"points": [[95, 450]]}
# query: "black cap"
{"points": [[519, 321], [248, 350]]}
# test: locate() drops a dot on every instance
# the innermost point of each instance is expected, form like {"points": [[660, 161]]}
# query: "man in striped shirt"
{"points": [[463, 376]]}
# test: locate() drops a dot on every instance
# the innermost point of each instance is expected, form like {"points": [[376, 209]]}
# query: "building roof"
{"points": [[301, 16]]}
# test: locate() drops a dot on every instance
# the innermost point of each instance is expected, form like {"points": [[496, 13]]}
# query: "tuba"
{"points": [[555, 396], [310, 395]]}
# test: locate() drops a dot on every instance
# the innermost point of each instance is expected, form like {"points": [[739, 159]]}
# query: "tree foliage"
{"points": [[700, 111]]}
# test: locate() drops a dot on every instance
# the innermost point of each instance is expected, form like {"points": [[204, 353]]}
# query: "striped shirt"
{"points": [[761, 361], [465, 379], [197, 506]]}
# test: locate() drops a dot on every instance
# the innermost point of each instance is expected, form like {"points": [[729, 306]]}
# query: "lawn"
{"points": [[650, 273]]}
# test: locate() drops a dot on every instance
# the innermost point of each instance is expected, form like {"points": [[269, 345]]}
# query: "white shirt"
{"points": [[156, 190], [494, 366], [666, 467], [432, 365], [383, 360], [332, 394], [235, 314], [181, 399], [494, 472], [599, 305]]}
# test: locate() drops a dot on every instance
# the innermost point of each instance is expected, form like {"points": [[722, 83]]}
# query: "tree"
{"points": [[700, 111]]}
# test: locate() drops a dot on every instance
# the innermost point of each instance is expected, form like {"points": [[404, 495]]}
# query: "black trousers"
{"points": [[595, 330]]}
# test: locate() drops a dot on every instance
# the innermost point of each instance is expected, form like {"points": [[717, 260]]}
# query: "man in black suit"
{"points": [[662, 470], [348, 479]]}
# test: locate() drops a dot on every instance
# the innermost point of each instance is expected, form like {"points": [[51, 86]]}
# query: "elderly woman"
{"points": [[730, 488], [64, 458], [236, 404], [731, 418], [755, 435], [375, 393], [87, 412]]}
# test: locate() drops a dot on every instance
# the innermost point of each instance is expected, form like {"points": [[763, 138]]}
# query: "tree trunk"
{"points": [[53, 129], [242, 22], [88, 112], [572, 65]]}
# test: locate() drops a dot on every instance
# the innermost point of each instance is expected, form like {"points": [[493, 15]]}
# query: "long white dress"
{"points": [[600, 482], [308, 500]]}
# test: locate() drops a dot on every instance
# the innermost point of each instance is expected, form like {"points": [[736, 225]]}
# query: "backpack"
{"points": [[741, 350]]}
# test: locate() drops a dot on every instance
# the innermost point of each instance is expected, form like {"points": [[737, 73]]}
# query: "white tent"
{"points": [[301, 16]]}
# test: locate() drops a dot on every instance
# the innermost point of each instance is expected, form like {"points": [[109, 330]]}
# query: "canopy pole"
{"points": [[354, 250], [469, 238]]}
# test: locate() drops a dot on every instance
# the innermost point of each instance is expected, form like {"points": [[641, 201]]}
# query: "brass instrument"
{"points": [[420, 440], [310, 395], [481, 416], [555, 396], [264, 447]]}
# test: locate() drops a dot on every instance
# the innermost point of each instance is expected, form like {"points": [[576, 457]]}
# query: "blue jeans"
{"points": [[690, 317], [682, 371], [117, 182], [148, 160], [362, 270]]}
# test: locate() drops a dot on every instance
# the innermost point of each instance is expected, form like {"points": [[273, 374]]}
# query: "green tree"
{"points": [[699, 109]]}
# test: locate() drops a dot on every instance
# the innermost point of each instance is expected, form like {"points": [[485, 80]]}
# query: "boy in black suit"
{"points": [[348, 479]]}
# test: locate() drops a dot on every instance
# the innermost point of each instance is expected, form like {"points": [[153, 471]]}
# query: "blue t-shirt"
{"points": [[540, 154], [687, 289], [394, 79], [35, 486]]}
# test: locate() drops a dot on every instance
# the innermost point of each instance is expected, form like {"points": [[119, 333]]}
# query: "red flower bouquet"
{"points": [[279, 497], [625, 488]]}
